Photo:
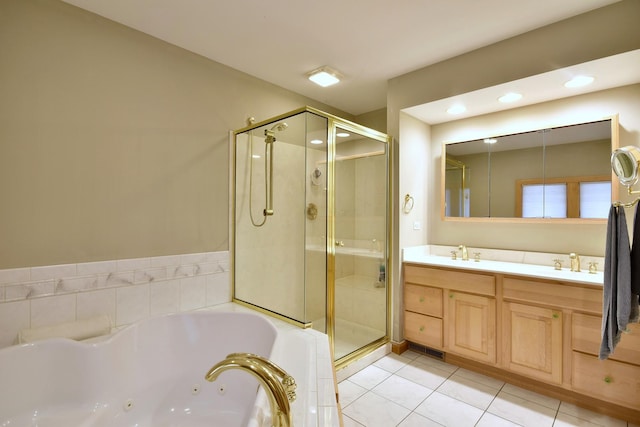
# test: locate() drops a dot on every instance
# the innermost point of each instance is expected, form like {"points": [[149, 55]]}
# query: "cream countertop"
{"points": [[529, 264]]}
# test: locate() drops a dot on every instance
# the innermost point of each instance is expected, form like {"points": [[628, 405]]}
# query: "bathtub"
{"points": [[152, 374]]}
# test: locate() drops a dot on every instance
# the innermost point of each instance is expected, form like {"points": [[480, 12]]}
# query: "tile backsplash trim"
{"points": [[126, 290]]}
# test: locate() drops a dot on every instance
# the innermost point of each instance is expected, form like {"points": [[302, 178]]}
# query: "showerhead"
{"points": [[279, 126], [271, 133]]}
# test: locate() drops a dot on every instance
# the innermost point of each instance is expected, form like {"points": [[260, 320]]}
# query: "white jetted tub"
{"points": [[151, 374]]}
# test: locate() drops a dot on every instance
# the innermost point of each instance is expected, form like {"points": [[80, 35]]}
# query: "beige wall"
{"points": [[114, 144]]}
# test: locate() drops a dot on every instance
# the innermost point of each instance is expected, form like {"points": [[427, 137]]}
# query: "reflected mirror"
{"points": [[556, 173]]}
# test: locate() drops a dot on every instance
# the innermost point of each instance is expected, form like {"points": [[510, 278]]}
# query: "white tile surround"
{"points": [[126, 290]]}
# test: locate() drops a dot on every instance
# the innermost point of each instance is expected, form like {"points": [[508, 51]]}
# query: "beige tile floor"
{"points": [[413, 390]]}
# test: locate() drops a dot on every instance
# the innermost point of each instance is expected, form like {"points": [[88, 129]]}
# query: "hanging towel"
{"points": [[617, 282], [635, 269]]}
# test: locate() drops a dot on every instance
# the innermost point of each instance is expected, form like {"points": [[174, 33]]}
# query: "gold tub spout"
{"points": [[279, 385]]}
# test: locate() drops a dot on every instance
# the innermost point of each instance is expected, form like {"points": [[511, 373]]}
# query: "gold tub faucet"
{"points": [[280, 386]]}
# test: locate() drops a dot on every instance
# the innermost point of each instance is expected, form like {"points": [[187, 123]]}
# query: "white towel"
{"points": [[77, 330]]}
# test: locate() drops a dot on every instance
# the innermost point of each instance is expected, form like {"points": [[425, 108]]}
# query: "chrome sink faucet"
{"points": [[279, 385], [575, 262], [465, 253]]}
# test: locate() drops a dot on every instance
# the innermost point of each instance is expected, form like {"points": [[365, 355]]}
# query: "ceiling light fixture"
{"points": [[316, 141], [342, 134], [324, 76], [490, 140], [510, 97], [457, 109], [579, 81]]}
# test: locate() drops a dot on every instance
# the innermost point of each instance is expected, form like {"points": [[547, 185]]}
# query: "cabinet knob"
{"points": [[608, 380], [421, 299], [556, 315], [451, 295], [421, 328]]}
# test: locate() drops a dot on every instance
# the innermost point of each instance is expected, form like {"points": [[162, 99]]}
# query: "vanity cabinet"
{"points": [[451, 310], [616, 379], [533, 341], [542, 334]]}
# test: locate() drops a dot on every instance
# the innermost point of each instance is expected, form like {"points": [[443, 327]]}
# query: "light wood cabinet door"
{"points": [[533, 345], [424, 330], [471, 325]]}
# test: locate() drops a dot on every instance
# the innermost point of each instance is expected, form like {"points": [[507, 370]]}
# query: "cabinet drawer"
{"points": [[586, 336], [423, 299], [482, 284], [554, 294], [606, 379], [421, 329]]}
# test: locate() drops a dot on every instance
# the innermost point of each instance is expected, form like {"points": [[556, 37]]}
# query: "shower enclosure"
{"points": [[311, 226]]}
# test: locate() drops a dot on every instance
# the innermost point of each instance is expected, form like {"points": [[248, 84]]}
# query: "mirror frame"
{"points": [[615, 183]]}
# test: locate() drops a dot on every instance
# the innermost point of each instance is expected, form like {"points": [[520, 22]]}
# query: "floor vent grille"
{"points": [[426, 351]]}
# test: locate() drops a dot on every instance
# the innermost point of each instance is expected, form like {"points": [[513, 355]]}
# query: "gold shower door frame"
{"points": [[333, 123]]}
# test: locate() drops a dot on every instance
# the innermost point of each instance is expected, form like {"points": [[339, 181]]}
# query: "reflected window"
{"points": [[568, 199], [544, 201], [595, 199]]}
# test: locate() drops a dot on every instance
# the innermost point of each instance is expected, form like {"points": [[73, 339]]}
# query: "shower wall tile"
{"points": [[126, 290]]}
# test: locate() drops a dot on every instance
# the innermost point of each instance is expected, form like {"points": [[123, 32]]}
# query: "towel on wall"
{"points": [[635, 268], [616, 307]]}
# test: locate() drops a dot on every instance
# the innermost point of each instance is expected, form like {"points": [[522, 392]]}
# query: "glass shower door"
{"points": [[360, 198]]}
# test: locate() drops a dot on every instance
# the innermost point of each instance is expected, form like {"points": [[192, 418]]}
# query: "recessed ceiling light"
{"points": [[342, 134], [510, 97], [457, 109], [490, 140], [316, 141], [579, 81], [324, 76], [255, 156]]}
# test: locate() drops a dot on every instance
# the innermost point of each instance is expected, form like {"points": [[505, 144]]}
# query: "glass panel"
{"points": [[595, 199], [270, 262], [316, 221], [361, 242]]}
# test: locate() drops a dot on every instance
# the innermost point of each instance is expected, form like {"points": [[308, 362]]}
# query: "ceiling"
{"points": [[368, 41]]}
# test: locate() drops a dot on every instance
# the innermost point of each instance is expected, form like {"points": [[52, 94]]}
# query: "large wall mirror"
{"points": [[560, 173]]}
